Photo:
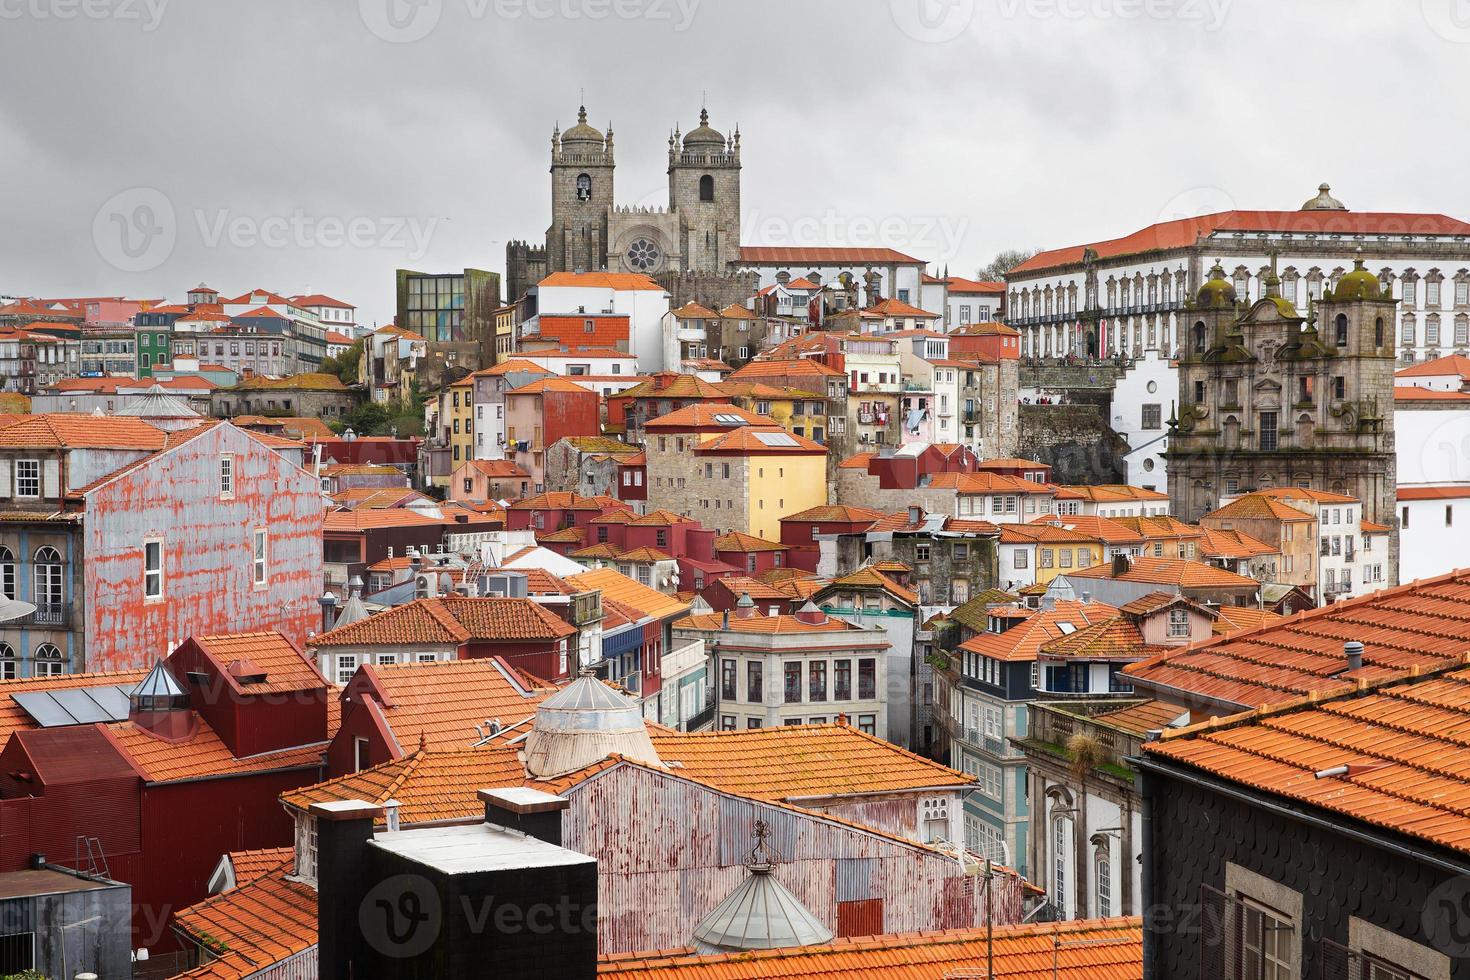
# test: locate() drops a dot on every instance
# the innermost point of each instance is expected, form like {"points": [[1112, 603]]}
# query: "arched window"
{"points": [[50, 593], [1104, 887], [1378, 332], [48, 660], [584, 187], [1340, 329], [1199, 337], [7, 573], [706, 188], [1061, 842], [9, 665]]}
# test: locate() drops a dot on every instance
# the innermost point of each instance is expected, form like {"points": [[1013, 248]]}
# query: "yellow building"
{"points": [[1040, 552], [505, 332], [802, 413], [457, 420]]}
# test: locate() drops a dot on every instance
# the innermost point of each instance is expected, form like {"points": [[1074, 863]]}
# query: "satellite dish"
{"points": [[13, 609]]}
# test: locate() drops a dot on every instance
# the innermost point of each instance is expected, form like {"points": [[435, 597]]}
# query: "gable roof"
{"points": [[1038, 626], [822, 255], [608, 280], [1181, 572], [740, 541], [451, 620], [77, 431], [1451, 364], [1418, 626], [762, 440], [705, 415], [619, 587], [266, 652], [1402, 739]]}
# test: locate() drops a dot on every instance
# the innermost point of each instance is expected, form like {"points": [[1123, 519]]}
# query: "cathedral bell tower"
{"points": [[704, 193], [581, 198]]}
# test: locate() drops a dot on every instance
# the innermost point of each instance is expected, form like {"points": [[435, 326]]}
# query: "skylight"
{"points": [[1066, 628], [776, 439]]}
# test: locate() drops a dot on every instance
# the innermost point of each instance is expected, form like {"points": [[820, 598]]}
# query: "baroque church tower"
{"points": [[704, 191], [1266, 399], [581, 198]]}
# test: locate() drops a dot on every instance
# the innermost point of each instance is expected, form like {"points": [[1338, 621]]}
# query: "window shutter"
{"points": [[51, 478], [7, 487]]}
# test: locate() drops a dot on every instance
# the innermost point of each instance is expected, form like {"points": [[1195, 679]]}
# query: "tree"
{"points": [[345, 366], [1004, 261]]}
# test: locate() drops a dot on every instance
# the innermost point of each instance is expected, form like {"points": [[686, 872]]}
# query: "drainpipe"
{"points": [[1146, 782]]}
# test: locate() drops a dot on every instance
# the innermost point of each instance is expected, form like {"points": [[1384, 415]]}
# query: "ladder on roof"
{"points": [[96, 858]]}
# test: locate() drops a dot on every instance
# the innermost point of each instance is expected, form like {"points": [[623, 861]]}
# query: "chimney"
{"points": [[1354, 651], [344, 828], [1086, 597], [916, 515], [811, 614], [745, 607], [1121, 564], [529, 811], [328, 603]]}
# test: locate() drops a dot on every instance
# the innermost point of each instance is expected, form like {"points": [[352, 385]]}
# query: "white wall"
{"points": [[1152, 380]]}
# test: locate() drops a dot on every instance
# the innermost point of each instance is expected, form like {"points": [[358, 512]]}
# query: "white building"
{"points": [[899, 276], [971, 301], [1449, 373], [1143, 399], [333, 313], [1124, 295], [1431, 434], [629, 294]]}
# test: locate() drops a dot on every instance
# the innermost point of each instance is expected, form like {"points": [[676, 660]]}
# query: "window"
{"points": [[921, 552], [1267, 433], [1153, 416], [1267, 943], [1104, 887], [28, 478], [258, 557], [153, 569], [842, 680], [867, 679], [727, 680], [7, 573], [706, 188], [1178, 622], [1060, 843], [868, 724], [791, 680], [1340, 330], [754, 688], [817, 681], [1019, 558]]}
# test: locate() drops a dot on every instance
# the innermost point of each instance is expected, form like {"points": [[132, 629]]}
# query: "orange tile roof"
{"points": [[512, 365], [428, 785], [286, 669], [1234, 618], [78, 431], [737, 312], [556, 500], [898, 308], [307, 381], [1420, 626], [704, 415], [1158, 527], [543, 385], [1118, 638], [1142, 717], [1035, 627], [250, 865], [1045, 534], [1410, 394], [782, 368], [765, 624], [1316, 496], [796, 762], [498, 469], [869, 577], [251, 927], [202, 755], [1232, 544], [1181, 572], [1403, 738], [1115, 492], [451, 620], [857, 461], [1257, 506], [693, 311], [836, 513], [377, 497], [1433, 493], [1451, 364], [740, 541], [1087, 949], [614, 585], [608, 280], [958, 284], [747, 441], [362, 518], [443, 701]]}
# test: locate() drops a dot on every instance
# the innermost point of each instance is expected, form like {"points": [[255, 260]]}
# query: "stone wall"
{"points": [[1075, 440], [1052, 377]]}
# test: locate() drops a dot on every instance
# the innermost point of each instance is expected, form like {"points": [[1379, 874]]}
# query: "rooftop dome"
{"points": [[704, 134], [1358, 284], [158, 403], [582, 133], [760, 914], [1324, 201], [583, 723], [1218, 293]]}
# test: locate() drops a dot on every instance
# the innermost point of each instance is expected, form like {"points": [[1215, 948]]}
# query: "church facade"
{"points": [[696, 235], [1271, 398]]}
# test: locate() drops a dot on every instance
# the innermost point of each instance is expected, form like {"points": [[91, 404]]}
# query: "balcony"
{"points": [[52, 615], [702, 719]]}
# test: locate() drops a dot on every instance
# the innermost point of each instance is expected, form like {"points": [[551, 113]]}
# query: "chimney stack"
{"points": [[529, 811]]}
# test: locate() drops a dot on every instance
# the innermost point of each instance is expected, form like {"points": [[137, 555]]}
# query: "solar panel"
{"points": [[1066, 628], [775, 439], [726, 419], [75, 705]]}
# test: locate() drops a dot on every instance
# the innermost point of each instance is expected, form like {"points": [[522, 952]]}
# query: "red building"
{"points": [[659, 395], [524, 633], [750, 554], [556, 510], [985, 341], [632, 483], [608, 330], [800, 532], [538, 414], [906, 468], [177, 769]]}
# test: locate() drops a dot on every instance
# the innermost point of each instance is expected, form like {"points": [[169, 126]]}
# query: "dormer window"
{"points": [[1178, 622], [306, 847]]}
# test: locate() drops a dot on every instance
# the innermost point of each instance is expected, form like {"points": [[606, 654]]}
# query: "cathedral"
{"points": [[697, 234]]}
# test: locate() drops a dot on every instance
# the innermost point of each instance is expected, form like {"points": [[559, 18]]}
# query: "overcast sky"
{"points": [[298, 145]]}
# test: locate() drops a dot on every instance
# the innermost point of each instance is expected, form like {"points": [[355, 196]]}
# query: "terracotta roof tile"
{"points": [[757, 441], [249, 865], [1181, 572], [740, 541], [253, 926], [61, 431], [268, 652], [1023, 640], [203, 754], [451, 620], [706, 416], [871, 578], [614, 585]]}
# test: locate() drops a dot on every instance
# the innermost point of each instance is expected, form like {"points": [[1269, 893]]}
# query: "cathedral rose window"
{"points": [[643, 255]]}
